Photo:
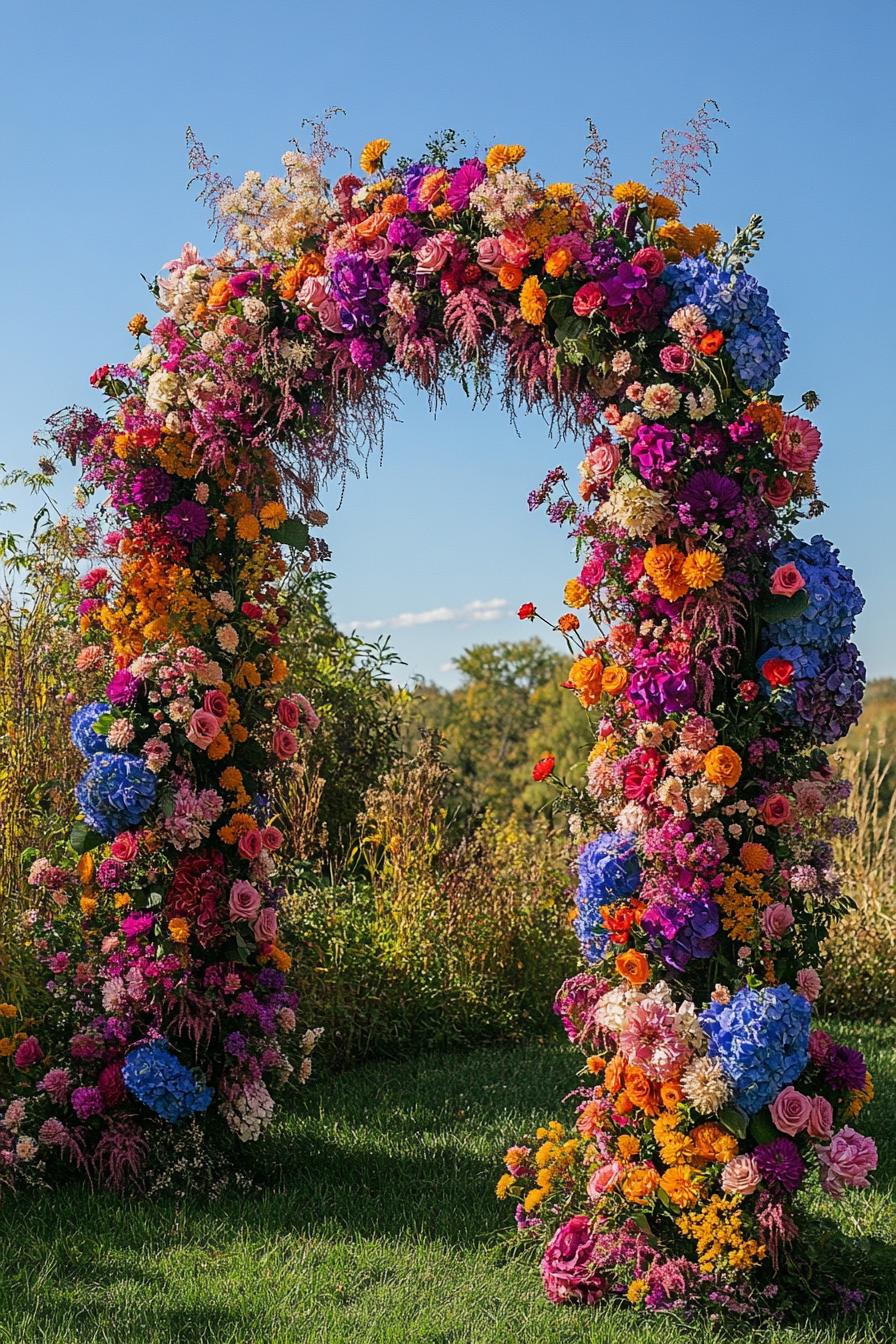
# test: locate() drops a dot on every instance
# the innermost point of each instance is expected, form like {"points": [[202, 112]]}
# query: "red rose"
{"points": [[778, 493], [543, 768], [288, 713], [215, 702], [148, 436], [641, 775], [527, 611], [775, 811], [253, 612], [98, 375], [777, 672], [588, 299], [250, 844], [124, 847]]}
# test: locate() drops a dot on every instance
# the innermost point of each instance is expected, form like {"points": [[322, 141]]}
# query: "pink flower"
{"points": [[250, 844], [91, 658], [157, 753], [328, 313], [674, 359], [124, 847], [215, 702], [271, 837], [431, 256], [649, 1039], [28, 1053], [740, 1176], [777, 919], [820, 1046], [288, 713], [92, 579], [380, 249], [312, 720], [778, 493], [798, 445], [651, 260], [786, 581], [284, 744], [489, 255], [515, 247], [566, 1269], [790, 1111], [313, 293], [203, 729], [808, 983], [588, 299], [602, 459], [821, 1118], [244, 900], [604, 1179], [775, 810], [846, 1161], [265, 929], [121, 734]]}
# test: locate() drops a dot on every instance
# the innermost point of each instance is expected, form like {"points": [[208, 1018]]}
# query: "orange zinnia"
{"points": [[664, 565], [639, 1186], [682, 1186]]}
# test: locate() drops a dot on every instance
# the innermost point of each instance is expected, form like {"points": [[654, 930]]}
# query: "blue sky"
{"points": [[436, 546]]}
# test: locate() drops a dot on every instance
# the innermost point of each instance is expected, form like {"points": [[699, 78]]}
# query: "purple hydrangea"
{"points": [[831, 702], [367, 353], [187, 521], [402, 233], [682, 928]]}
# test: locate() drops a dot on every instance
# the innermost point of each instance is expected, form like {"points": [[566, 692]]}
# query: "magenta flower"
{"points": [[566, 1266], [187, 521]]}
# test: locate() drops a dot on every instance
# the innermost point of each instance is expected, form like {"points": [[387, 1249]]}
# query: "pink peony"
{"points": [[566, 1266], [124, 847], [798, 445], [91, 658], [604, 1179], [313, 293], [740, 1176], [821, 1118], [846, 1161], [791, 1111], [244, 900], [265, 929], [808, 983], [786, 581], [203, 729], [284, 744], [649, 1039], [777, 919]]}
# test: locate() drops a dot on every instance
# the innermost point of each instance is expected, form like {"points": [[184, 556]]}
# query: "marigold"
{"points": [[639, 1186], [504, 1186], [682, 1185], [282, 960], [702, 569], [533, 1199], [231, 778], [6, 1047], [561, 191], [559, 262], [179, 930], [503, 156], [634, 193], [628, 1146], [768, 415], [615, 679], [8, 1010], [247, 529], [662, 207], [634, 967], [88, 906], [675, 235], [575, 594], [219, 748], [533, 302], [395, 205], [568, 623], [614, 1077], [755, 858], [220, 294], [704, 238], [510, 277], [122, 900], [664, 564], [586, 676], [138, 324], [279, 670], [740, 900], [722, 766], [372, 155], [713, 1143], [272, 515]]}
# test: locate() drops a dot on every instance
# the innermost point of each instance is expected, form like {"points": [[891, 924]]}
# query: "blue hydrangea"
{"points": [[834, 596], [738, 305], [609, 871], [806, 664], [831, 702], [81, 729], [761, 1039], [116, 792], [157, 1078]]}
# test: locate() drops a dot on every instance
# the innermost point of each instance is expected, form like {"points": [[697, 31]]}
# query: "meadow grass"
{"points": [[373, 1219]]}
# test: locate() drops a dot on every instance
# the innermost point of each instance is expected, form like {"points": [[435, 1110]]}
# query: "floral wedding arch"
{"points": [[719, 664]]}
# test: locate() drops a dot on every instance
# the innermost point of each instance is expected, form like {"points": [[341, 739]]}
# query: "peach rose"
{"points": [[740, 1176], [313, 293], [431, 256], [602, 460], [604, 1179], [489, 255]]}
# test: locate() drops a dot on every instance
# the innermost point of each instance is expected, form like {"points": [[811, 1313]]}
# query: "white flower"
{"points": [[114, 995], [162, 391], [612, 1008], [210, 342], [120, 734], [706, 1085], [706, 405], [660, 401], [254, 310], [141, 360], [635, 508]]}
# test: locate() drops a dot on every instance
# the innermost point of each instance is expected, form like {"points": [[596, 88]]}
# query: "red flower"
{"points": [[711, 343], [98, 375], [543, 768], [641, 775], [588, 299], [252, 611], [527, 611], [777, 672], [748, 690], [147, 436], [197, 894]]}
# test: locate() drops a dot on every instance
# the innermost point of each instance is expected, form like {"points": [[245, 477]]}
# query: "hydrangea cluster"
{"points": [[86, 739], [834, 597], [156, 1077], [761, 1039], [116, 792], [609, 871]]}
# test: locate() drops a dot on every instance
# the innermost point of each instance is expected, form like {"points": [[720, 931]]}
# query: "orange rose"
{"points": [[615, 1074], [633, 966], [372, 227], [671, 1095], [722, 766], [713, 1143], [640, 1185], [682, 1185], [640, 1090], [558, 262], [510, 277], [220, 294], [615, 679], [586, 676]]}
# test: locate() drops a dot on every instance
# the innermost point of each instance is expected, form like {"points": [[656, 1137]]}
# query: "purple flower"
{"points": [[240, 284], [359, 286], [465, 180], [707, 497], [270, 978], [780, 1164], [151, 486], [845, 1069], [235, 1045], [133, 926], [705, 441], [623, 218], [367, 353], [660, 686], [124, 688], [656, 453], [413, 176], [402, 233], [620, 287], [682, 926], [56, 1084], [187, 521], [87, 1101], [745, 432], [110, 874]]}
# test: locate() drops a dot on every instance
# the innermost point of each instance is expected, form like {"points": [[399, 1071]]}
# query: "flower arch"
{"points": [[719, 665]]}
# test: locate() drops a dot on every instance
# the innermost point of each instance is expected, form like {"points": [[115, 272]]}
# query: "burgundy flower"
{"points": [[197, 893], [151, 486], [28, 1053], [780, 1164]]}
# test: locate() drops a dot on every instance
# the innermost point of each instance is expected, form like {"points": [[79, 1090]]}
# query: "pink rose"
{"points": [[775, 810], [588, 299], [603, 459], [740, 1176], [284, 744], [431, 256], [798, 445], [265, 929], [778, 493], [271, 837], [380, 249], [675, 359], [28, 1053], [288, 713], [791, 1111], [328, 313], [846, 1161], [777, 919], [604, 1179], [821, 1118], [489, 255], [249, 844], [215, 702], [124, 847], [244, 900], [203, 729], [808, 983], [313, 293], [786, 581]]}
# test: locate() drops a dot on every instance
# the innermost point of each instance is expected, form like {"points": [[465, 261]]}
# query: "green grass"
{"points": [[376, 1222]]}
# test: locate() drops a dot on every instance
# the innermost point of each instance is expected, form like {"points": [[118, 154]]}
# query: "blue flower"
{"points": [[738, 305], [609, 871], [761, 1039], [157, 1078], [834, 596], [81, 729], [831, 702], [116, 792]]}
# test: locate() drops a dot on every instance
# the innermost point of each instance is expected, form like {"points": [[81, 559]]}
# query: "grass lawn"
{"points": [[377, 1223]]}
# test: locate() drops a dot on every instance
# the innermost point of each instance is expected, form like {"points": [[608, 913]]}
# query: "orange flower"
{"points": [[595, 1064], [533, 302], [568, 622], [122, 900], [633, 193], [755, 858], [640, 1090], [633, 966], [510, 277], [219, 748], [614, 1078], [272, 515], [372, 227], [396, 204], [179, 930], [711, 343], [639, 1186], [586, 676], [7, 1045], [713, 1143], [703, 238], [682, 1185], [220, 294], [372, 155], [231, 778], [675, 235], [282, 960], [590, 1120], [247, 529], [664, 565], [670, 1095], [628, 1146], [88, 906], [768, 415], [138, 324], [559, 262], [722, 766], [702, 569], [503, 156], [662, 207], [575, 594], [615, 679]]}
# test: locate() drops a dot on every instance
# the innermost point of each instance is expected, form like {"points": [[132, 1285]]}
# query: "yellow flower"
{"points": [[682, 1185], [703, 239], [635, 193], [662, 207], [561, 191], [179, 930], [504, 1185], [247, 528], [533, 302], [88, 906], [272, 515], [138, 324], [503, 156], [636, 1290], [628, 1146], [675, 235], [702, 569], [122, 900], [279, 669], [8, 1010], [282, 960], [6, 1047], [372, 155], [575, 594]]}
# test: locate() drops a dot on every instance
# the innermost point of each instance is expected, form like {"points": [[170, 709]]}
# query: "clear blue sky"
{"points": [[95, 101]]}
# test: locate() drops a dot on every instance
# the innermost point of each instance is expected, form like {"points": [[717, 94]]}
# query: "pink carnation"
{"points": [[808, 983], [798, 445]]}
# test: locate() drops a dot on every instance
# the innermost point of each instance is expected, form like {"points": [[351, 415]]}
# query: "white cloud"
{"points": [[493, 610]]}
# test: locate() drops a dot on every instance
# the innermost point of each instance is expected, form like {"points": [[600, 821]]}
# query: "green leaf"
{"points": [[734, 1121], [166, 803], [776, 608], [103, 724], [761, 1127], [153, 899], [293, 532], [82, 838]]}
